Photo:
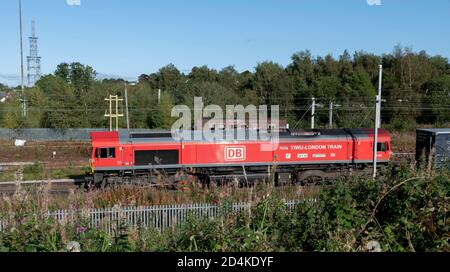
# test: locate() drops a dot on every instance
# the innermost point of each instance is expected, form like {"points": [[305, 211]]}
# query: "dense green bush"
{"points": [[400, 123]]}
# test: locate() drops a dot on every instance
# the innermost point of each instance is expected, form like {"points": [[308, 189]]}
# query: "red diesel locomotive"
{"points": [[299, 156]]}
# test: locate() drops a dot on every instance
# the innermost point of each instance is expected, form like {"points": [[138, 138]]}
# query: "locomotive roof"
{"points": [[123, 136], [290, 134]]}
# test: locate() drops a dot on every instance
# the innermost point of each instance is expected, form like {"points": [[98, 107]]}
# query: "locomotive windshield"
{"points": [[382, 147], [105, 153]]}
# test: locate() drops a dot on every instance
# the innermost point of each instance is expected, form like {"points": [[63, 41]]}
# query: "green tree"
{"points": [[3, 88], [12, 113], [167, 78], [202, 74], [229, 78], [63, 106], [79, 75], [359, 84], [438, 99], [142, 100], [275, 87], [369, 63], [415, 88], [37, 102], [160, 116], [63, 71], [302, 69]]}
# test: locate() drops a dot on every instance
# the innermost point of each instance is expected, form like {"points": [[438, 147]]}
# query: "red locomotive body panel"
{"points": [[114, 152], [313, 151], [225, 153]]}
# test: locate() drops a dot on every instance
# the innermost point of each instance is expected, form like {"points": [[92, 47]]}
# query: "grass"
{"points": [[129, 195], [7, 175], [38, 171], [42, 151]]}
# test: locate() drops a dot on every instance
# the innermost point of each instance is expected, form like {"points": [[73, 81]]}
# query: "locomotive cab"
{"points": [[105, 150], [384, 146], [383, 150], [104, 157]]}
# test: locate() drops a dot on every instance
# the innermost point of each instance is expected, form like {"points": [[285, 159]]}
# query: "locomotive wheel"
{"points": [[312, 181], [311, 178], [89, 183]]}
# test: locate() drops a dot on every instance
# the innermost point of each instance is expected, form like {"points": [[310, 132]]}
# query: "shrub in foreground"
{"points": [[408, 211]]}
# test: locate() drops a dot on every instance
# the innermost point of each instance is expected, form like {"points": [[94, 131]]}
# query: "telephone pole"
{"points": [[377, 121], [23, 99], [126, 103], [112, 115], [126, 106], [330, 116], [159, 96], [313, 112]]}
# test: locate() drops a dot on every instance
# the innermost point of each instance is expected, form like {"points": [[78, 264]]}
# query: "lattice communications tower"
{"points": [[33, 61]]}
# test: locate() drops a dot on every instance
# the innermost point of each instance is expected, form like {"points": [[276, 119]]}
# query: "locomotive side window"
{"points": [[106, 153], [382, 147]]}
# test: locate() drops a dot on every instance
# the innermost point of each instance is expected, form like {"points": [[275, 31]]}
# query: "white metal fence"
{"points": [[159, 217]]}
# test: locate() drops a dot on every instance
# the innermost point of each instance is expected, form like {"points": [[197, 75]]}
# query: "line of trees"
{"points": [[416, 87]]}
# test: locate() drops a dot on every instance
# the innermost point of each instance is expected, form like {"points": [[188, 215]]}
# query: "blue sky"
{"points": [[127, 38]]}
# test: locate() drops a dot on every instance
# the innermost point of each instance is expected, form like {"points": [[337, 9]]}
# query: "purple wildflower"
{"points": [[81, 230]]}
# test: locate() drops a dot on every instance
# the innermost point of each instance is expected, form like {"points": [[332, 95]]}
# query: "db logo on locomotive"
{"points": [[235, 153]]}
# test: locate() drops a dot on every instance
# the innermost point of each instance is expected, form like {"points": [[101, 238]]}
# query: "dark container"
{"points": [[435, 144]]}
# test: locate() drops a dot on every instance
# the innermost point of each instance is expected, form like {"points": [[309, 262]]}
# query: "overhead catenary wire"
{"points": [[357, 107]]}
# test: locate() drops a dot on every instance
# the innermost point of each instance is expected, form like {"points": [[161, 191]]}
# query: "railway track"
{"points": [[403, 154], [57, 186], [62, 186], [397, 156]]}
